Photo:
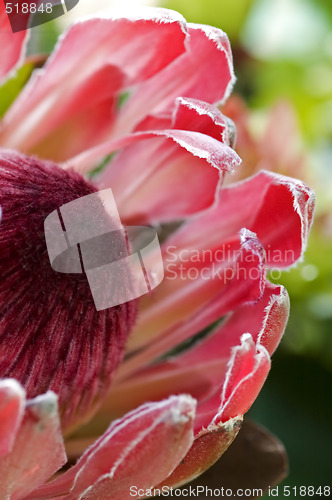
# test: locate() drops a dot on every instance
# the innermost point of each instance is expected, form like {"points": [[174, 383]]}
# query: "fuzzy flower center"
{"points": [[51, 335]]}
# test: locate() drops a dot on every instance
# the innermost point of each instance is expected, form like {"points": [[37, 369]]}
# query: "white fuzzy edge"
{"points": [[177, 417], [246, 343]]}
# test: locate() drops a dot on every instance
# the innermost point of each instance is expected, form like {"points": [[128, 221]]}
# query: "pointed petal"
{"points": [[195, 281], [247, 371], [200, 371], [127, 453], [166, 175], [256, 459], [12, 46], [12, 401], [38, 451], [277, 208], [207, 448], [181, 164], [84, 71], [289, 203], [266, 320], [194, 115], [204, 71], [248, 367]]}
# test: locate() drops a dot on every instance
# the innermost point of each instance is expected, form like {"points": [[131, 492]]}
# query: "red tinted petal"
{"points": [[167, 174], [96, 114], [179, 375], [200, 371], [248, 369], [266, 320], [193, 115], [38, 451], [284, 220], [207, 448], [128, 453], [12, 400], [204, 71], [125, 51], [218, 286], [278, 209]]}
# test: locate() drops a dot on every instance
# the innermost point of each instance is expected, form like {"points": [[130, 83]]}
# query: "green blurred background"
{"points": [[283, 51]]}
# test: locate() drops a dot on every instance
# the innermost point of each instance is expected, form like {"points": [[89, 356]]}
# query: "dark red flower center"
{"points": [[51, 335]]}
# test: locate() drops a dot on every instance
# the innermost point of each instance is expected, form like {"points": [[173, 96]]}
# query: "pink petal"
{"points": [[266, 320], [12, 46], [129, 453], [186, 292], [200, 371], [96, 115], [191, 114], [277, 208], [92, 63], [38, 451], [175, 376], [204, 71], [137, 173], [206, 412], [285, 218], [167, 174], [248, 369], [12, 400], [207, 448]]}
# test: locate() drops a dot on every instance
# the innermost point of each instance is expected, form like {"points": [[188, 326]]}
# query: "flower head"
{"points": [[137, 96]]}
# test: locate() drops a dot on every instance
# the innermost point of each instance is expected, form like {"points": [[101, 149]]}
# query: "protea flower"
{"points": [[137, 94]]}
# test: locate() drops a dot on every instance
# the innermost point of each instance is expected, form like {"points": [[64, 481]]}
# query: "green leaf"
{"points": [[13, 86]]}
